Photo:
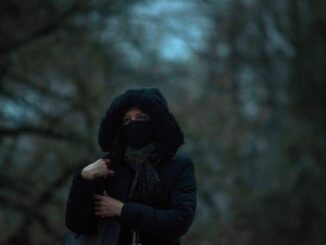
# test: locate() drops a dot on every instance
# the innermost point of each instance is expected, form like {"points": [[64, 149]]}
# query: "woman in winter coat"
{"points": [[141, 190]]}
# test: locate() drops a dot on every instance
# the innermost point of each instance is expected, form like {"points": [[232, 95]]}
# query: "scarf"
{"points": [[146, 182]]}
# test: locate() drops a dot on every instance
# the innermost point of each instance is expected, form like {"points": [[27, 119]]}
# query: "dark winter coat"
{"points": [[163, 222]]}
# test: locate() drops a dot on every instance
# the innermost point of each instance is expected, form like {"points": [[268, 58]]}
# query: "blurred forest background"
{"points": [[245, 79]]}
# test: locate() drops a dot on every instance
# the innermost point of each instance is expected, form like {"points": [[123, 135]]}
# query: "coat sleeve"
{"points": [[169, 223], [80, 217]]}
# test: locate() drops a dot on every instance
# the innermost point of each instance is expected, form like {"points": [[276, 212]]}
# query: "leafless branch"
{"points": [[48, 28]]}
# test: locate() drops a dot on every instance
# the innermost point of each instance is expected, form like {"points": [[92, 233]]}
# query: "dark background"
{"points": [[244, 78]]}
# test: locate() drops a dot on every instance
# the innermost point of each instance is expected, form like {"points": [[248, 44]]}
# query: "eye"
{"points": [[125, 120], [143, 117]]}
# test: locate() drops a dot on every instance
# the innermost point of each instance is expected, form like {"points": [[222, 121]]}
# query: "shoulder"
{"points": [[182, 158], [180, 162], [182, 173]]}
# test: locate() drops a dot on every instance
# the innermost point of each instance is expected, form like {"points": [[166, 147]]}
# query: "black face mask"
{"points": [[138, 133]]}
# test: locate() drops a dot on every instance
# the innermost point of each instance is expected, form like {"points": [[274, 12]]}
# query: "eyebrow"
{"points": [[139, 113]]}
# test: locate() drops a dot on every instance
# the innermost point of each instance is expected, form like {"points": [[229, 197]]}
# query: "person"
{"points": [[143, 188]]}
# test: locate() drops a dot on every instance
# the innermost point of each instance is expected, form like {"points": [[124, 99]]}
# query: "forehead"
{"points": [[133, 111]]}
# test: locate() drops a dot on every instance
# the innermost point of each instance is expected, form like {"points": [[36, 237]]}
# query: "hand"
{"points": [[106, 206], [97, 169]]}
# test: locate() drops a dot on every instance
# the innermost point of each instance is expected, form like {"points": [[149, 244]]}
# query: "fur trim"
{"points": [[152, 102]]}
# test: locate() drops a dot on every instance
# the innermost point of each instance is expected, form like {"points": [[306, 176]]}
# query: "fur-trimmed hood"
{"points": [[152, 102]]}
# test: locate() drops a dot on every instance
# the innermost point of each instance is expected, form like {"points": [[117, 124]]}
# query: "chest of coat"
{"points": [[118, 186]]}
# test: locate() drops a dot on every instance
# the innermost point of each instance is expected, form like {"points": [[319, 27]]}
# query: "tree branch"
{"points": [[33, 85], [42, 132], [30, 130], [50, 27]]}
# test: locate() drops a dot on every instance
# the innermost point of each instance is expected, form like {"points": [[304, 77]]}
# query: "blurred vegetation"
{"points": [[245, 79]]}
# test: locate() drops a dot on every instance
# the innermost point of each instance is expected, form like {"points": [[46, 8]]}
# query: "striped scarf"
{"points": [[146, 182]]}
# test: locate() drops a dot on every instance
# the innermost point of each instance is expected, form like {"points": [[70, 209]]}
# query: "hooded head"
{"points": [[166, 131]]}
